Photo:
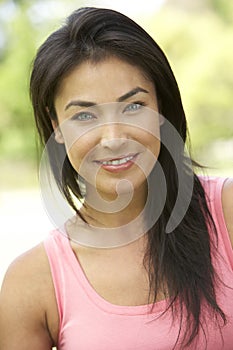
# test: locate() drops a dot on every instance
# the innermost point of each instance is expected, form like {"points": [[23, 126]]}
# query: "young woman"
{"points": [[146, 261]]}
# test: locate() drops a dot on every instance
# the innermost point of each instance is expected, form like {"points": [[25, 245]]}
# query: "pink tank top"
{"points": [[89, 322]]}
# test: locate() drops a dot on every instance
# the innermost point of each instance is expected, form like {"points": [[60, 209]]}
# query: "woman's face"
{"points": [[108, 119]]}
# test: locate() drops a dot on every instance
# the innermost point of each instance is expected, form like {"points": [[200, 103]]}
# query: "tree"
{"points": [[198, 45]]}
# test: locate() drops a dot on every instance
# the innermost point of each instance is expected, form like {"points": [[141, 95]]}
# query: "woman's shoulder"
{"points": [[219, 192], [30, 267], [227, 204], [27, 277], [25, 294]]}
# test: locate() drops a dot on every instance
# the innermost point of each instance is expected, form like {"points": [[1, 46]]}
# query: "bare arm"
{"points": [[227, 202], [23, 323]]}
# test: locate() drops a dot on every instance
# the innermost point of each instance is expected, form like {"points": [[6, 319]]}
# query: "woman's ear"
{"points": [[161, 119], [57, 132]]}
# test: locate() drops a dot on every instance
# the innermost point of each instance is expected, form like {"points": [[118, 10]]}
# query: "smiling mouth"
{"points": [[117, 161], [121, 162]]}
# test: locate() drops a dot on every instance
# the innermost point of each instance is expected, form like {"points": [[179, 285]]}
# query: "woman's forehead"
{"points": [[105, 81]]}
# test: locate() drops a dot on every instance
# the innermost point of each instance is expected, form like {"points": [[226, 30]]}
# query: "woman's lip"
{"points": [[116, 158], [115, 168]]}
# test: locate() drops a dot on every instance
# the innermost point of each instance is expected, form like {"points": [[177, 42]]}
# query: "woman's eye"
{"points": [[83, 116], [133, 107]]}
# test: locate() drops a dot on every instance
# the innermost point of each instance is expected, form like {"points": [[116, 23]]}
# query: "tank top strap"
{"points": [[213, 187]]}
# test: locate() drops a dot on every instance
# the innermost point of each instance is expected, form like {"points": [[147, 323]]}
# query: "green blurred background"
{"points": [[197, 37]]}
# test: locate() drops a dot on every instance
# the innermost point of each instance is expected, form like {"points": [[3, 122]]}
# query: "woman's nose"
{"points": [[113, 136]]}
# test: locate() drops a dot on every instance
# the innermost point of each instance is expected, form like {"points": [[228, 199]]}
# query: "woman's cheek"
{"points": [[79, 155]]}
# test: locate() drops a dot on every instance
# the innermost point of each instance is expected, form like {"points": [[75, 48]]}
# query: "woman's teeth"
{"points": [[118, 161]]}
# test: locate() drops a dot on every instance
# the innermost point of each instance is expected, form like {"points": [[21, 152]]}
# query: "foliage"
{"points": [[198, 45], [16, 129]]}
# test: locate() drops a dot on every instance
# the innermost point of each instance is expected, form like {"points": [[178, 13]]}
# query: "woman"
{"points": [[146, 262]]}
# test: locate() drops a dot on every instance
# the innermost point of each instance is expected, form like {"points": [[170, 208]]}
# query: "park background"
{"points": [[197, 38]]}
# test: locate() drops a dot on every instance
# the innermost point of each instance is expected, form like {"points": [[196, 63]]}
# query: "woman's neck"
{"points": [[113, 211]]}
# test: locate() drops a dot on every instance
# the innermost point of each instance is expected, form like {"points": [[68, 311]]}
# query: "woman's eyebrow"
{"points": [[79, 103], [132, 93], [124, 97]]}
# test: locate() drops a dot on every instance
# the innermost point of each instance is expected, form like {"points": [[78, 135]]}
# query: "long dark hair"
{"points": [[180, 261]]}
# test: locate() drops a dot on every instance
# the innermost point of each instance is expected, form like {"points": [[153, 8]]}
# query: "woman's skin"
{"points": [[103, 134], [28, 311]]}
